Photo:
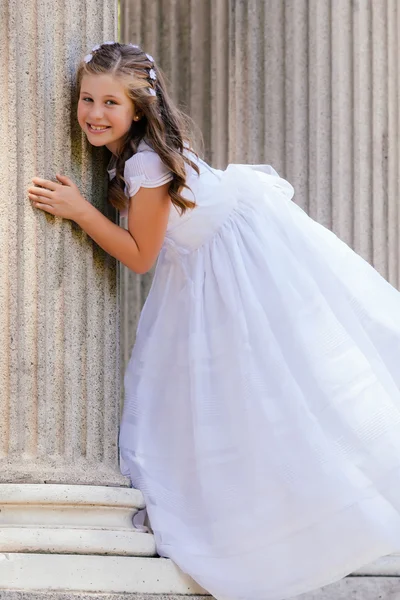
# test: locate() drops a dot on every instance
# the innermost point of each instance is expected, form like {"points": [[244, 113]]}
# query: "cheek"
{"points": [[81, 113]]}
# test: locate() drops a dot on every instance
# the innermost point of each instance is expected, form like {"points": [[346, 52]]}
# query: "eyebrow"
{"points": [[106, 96]]}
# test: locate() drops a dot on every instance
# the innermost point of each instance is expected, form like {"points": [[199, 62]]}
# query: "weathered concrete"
{"points": [[84, 573], [53, 595], [350, 588]]}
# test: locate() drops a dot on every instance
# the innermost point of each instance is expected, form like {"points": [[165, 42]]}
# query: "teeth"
{"points": [[97, 128]]}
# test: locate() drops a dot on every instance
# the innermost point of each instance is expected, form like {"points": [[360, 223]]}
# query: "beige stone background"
{"points": [[308, 86]]}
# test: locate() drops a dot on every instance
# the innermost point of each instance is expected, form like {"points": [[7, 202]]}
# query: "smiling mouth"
{"points": [[97, 130]]}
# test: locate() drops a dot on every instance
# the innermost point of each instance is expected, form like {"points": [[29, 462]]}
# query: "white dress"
{"points": [[262, 397]]}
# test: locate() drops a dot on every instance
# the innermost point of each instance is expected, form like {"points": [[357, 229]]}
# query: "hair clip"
{"points": [[89, 57]]}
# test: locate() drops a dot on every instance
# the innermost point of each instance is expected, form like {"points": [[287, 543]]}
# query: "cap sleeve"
{"points": [[145, 169]]}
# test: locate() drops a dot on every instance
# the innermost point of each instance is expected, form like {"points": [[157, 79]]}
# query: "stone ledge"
{"points": [[349, 588], [76, 541], [61, 494], [50, 595], [100, 574], [353, 588]]}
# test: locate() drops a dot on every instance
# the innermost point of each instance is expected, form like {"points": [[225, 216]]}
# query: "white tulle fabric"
{"points": [[262, 397]]}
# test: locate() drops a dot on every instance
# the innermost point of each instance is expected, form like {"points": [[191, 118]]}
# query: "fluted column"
{"points": [[189, 39], [330, 116], [63, 502], [65, 510], [308, 86], [59, 311]]}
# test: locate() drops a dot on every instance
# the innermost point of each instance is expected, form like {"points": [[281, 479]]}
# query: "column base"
{"points": [[56, 539], [101, 574], [79, 472], [71, 519]]}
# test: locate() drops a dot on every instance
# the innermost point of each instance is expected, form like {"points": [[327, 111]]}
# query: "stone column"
{"points": [[308, 86], [190, 41], [65, 509], [314, 91]]}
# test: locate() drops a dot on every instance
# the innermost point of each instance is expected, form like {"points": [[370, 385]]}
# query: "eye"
{"points": [[87, 98]]}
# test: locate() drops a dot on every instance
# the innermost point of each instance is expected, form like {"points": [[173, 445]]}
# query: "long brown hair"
{"points": [[166, 128]]}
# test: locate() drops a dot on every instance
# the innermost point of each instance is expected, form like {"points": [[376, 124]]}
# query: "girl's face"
{"points": [[104, 103]]}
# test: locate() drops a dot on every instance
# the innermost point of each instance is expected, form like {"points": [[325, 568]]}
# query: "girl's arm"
{"points": [[138, 247]]}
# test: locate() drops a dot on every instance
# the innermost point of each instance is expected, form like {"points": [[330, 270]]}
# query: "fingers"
{"points": [[45, 183], [42, 204], [45, 207], [42, 192], [40, 200], [33, 198]]}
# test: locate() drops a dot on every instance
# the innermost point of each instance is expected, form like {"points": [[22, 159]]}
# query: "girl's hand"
{"points": [[59, 199]]}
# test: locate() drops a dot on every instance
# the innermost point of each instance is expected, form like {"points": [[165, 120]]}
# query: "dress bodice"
{"points": [[213, 192], [145, 169]]}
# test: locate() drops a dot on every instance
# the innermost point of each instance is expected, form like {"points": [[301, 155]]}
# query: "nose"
{"points": [[96, 113]]}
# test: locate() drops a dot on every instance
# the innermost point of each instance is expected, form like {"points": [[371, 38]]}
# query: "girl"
{"points": [[262, 411]]}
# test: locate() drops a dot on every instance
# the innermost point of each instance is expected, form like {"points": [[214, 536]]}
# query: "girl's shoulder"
{"points": [[145, 169], [145, 165]]}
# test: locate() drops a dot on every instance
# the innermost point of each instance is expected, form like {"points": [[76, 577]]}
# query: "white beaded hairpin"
{"points": [[152, 73]]}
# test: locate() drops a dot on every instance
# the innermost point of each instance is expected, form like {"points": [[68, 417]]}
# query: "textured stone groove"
{"points": [[59, 360]]}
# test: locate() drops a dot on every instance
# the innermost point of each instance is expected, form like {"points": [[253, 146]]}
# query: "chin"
{"points": [[96, 143]]}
